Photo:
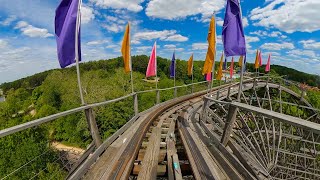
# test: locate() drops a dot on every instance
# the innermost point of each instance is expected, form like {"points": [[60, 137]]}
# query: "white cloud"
{"points": [[172, 47], [199, 46], [277, 46], [288, 15], [116, 23], [176, 9], [308, 53], [265, 34], [165, 35], [86, 14], [98, 42], [176, 38], [3, 43], [32, 31], [310, 44], [245, 22], [131, 5], [8, 21]]}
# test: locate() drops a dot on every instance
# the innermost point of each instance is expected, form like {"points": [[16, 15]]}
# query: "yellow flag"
{"points": [[125, 50], [190, 66], [240, 61], [256, 64], [219, 75], [207, 68]]}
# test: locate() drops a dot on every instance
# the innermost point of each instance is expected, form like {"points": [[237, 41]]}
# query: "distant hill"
{"points": [[140, 64]]}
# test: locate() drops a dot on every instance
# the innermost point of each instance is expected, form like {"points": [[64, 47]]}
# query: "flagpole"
{"points": [[131, 70], [174, 71], [192, 74], [215, 49], [155, 50], [77, 50], [243, 63]]}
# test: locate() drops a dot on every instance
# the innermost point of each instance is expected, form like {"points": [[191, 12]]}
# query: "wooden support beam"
{"points": [[231, 118], [135, 104], [93, 127]]}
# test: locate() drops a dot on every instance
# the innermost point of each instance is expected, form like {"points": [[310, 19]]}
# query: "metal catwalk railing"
{"points": [[91, 127], [277, 145]]}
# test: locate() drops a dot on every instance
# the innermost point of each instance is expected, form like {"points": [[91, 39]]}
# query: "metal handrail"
{"points": [[37, 122]]}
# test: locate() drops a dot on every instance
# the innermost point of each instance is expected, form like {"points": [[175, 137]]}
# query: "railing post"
{"points": [[231, 118], [192, 88], [175, 92], [229, 89], [204, 111], [93, 127], [158, 97], [135, 104]]}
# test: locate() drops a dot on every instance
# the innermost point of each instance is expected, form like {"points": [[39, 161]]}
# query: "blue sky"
{"points": [[288, 29]]}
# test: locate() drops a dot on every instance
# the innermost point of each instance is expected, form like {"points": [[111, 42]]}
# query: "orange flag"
{"points": [[257, 64], [219, 75], [125, 50], [190, 66], [207, 68]]}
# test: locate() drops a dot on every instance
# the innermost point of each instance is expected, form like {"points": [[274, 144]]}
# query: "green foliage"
{"points": [[55, 91]]}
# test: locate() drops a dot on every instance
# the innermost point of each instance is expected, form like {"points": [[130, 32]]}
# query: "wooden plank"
{"points": [[161, 169], [150, 160], [176, 166], [142, 153]]}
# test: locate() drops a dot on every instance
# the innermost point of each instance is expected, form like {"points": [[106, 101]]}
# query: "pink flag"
{"points": [[268, 64], [208, 77], [260, 59], [231, 68], [152, 66]]}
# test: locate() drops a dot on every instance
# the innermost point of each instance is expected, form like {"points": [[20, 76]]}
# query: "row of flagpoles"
{"points": [[67, 30]]}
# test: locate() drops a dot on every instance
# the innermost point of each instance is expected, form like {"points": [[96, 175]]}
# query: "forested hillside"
{"points": [[56, 90]]}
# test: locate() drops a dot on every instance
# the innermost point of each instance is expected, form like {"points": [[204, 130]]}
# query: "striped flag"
{"points": [[125, 50]]}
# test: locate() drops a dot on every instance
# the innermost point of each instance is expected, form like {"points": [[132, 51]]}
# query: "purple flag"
{"points": [[232, 33], [173, 66], [65, 30], [225, 65]]}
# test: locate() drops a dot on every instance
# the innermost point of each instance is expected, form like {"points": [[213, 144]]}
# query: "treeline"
{"points": [[140, 65]]}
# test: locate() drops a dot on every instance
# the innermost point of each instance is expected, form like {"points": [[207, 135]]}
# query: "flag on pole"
{"points": [[65, 30], [260, 59], [225, 64], [268, 64], [125, 50], [219, 75], [207, 68], [256, 63], [173, 66], [209, 77], [152, 65], [240, 61], [190, 66], [232, 32], [231, 68]]}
